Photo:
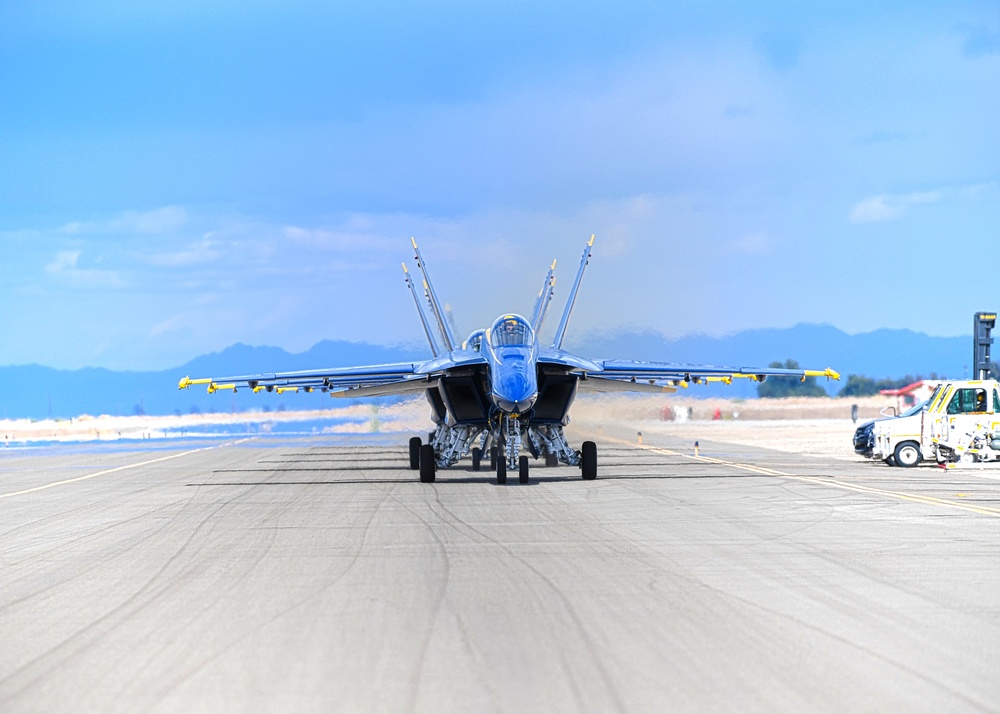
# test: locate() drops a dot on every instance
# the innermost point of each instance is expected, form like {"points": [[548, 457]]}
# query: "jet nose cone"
{"points": [[515, 393]]}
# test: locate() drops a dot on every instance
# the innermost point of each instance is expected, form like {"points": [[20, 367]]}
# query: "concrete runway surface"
{"points": [[317, 574]]}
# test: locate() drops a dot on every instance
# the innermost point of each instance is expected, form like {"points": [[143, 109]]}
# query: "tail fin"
{"points": [[564, 322], [449, 338], [420, 311], [544, 298]]}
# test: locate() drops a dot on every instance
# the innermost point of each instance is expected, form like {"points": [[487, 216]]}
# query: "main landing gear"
{"points": [[422, 459], [503, 457]]}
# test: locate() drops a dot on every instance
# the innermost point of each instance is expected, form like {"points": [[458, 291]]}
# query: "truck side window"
{"points": [[996, 402], [968, 401]]}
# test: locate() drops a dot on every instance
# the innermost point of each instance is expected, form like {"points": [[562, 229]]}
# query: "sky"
{"points": [[179, 176]]}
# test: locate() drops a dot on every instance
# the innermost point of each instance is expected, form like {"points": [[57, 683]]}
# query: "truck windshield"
{"points": [[916, 408]]}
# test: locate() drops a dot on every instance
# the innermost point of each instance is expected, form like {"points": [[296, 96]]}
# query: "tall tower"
{"points": [[984, 324]]}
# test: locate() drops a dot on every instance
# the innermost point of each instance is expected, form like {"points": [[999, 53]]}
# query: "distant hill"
{"points": [[33, 391], [36, 392], [878, 354]]}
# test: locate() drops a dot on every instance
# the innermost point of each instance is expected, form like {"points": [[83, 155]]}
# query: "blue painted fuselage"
{"points": [[512, 353]]}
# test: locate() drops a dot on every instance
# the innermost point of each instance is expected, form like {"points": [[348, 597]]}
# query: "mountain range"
{"points": [[37, 392]]}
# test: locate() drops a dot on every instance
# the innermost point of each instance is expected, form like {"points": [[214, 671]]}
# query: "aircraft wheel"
{"points": [[588, 460], [415, 452], [501, 471], [426, 464], [907, 454], [477, 458], [551, 460], [522, 469], [493, 458]]}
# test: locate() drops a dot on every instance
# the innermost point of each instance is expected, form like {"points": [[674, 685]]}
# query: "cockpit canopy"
{"points": [[511, 331], [474, 341]]}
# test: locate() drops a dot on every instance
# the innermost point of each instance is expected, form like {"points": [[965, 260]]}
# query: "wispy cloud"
{"points": [[159, 221], [751, 244], [887, 207], [203, 252], [65, 268], [980, 41], [350, 237]]}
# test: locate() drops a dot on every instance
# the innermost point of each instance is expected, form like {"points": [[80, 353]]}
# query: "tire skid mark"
{"points": [[167, 687], [830, 602], [567, 607], [88, 635], [439, 598]]}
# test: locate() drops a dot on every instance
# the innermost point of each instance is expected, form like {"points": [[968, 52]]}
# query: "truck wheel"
{"points": [[889, 461], [908, 454]]}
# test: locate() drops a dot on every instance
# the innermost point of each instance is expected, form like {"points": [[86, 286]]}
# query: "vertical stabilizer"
{"points": [[571, 298], [420, 311], [449, 338], [544, 298]]}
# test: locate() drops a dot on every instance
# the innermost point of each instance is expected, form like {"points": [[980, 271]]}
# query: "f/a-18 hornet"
{"points": [[499, 392]]}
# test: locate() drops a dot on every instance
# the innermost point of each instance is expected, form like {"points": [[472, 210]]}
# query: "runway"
{"points": [[316, 574]]}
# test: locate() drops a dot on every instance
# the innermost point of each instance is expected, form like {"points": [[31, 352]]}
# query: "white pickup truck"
{"points": [[961, 425]]}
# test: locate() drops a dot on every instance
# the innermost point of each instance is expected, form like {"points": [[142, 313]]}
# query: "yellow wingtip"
{"points": [[187, 382]]}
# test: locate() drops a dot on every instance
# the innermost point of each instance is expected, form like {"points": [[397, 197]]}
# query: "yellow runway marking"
{"points": [[105, 472], [834, 483]]}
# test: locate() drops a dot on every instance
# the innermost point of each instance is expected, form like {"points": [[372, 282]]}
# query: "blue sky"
{"points": [[179, 176]]}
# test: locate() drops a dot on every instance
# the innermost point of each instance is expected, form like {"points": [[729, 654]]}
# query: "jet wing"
{"points": [[677, 372], [372, 380]]}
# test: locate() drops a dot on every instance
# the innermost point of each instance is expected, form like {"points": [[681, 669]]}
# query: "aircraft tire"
{"points": [[588, 460], [522, 469], [426, 464], [501, 471], [551, 460], [477, 458], [907, 454], [415, 444], [493, 458]]}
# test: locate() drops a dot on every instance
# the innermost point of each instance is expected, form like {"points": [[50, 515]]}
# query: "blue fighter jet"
{"points": [[498, 393]]}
